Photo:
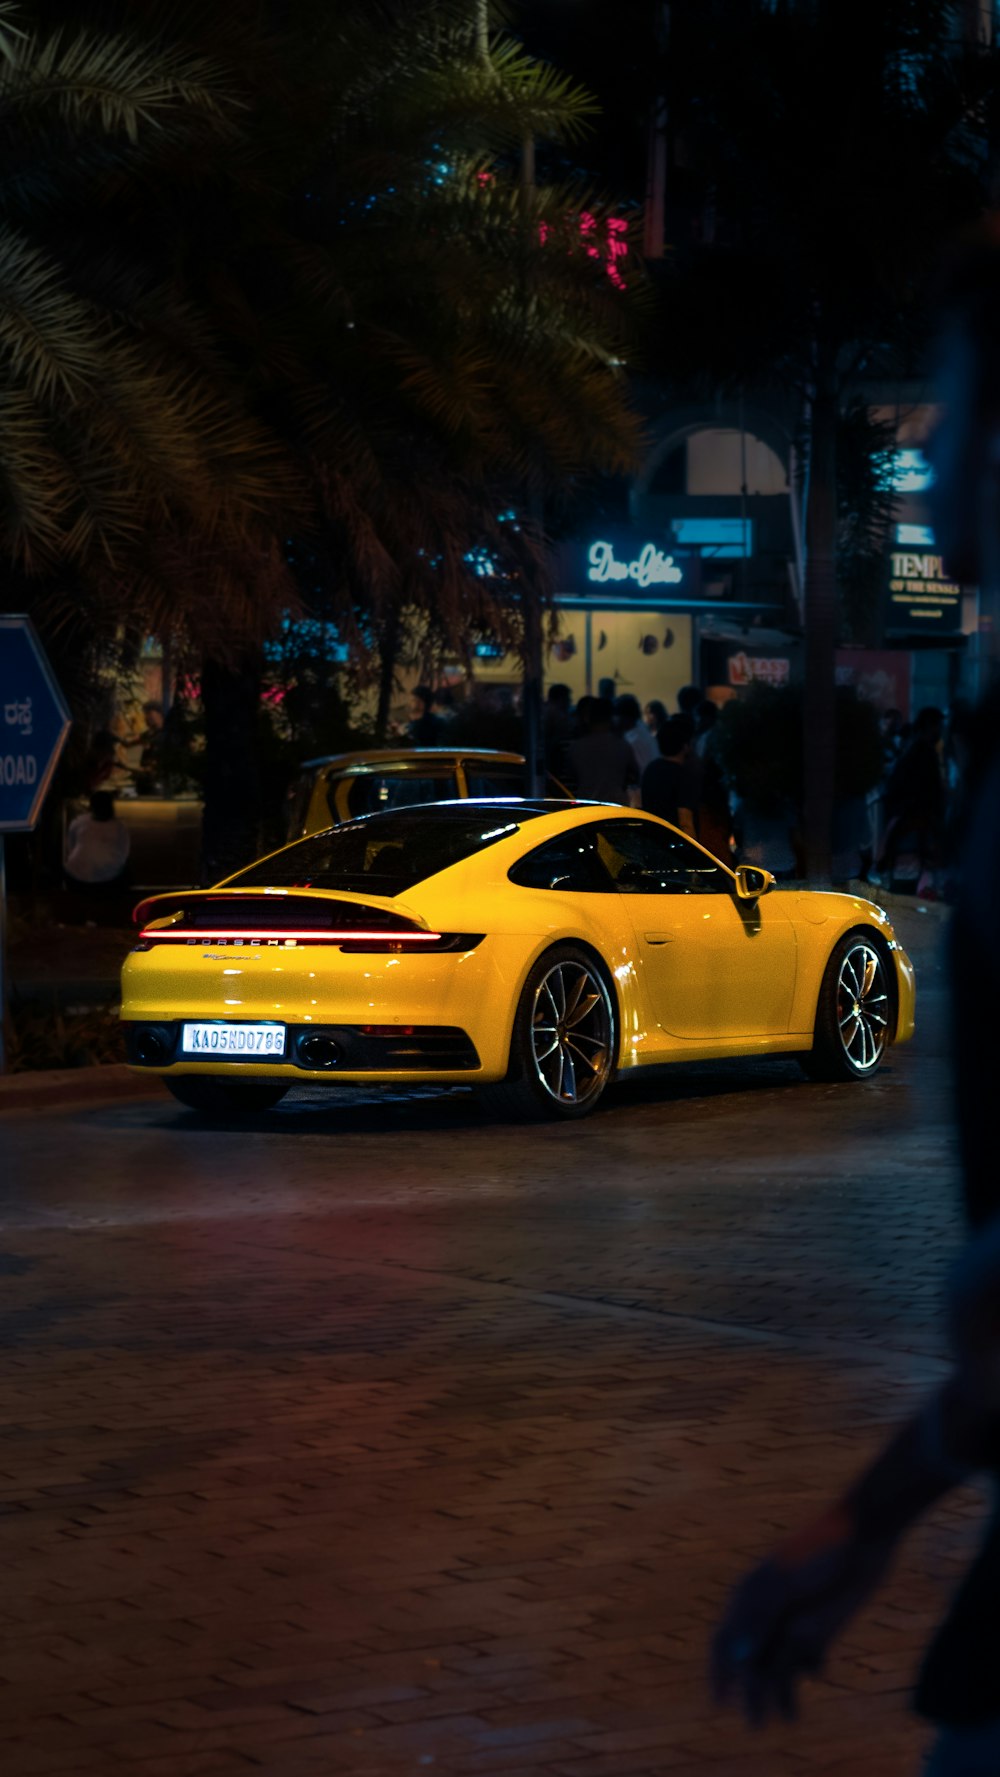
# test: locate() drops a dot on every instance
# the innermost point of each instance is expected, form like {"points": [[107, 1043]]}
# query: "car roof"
{"points": [[373, 757], [464, 806]]}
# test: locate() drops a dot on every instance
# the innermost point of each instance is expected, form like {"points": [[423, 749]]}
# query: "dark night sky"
{"points": [[609, 46]]}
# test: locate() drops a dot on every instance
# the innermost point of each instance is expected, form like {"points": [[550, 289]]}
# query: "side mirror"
{"points": [[752, 882]]}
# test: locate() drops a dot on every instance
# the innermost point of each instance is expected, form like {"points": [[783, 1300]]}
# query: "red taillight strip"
{"points": [[186, 936]]}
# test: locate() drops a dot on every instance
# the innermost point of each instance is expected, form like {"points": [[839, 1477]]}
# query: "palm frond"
{"points": [[117, 83]]}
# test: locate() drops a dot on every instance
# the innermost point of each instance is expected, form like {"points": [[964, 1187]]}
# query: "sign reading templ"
{"points": [[920, 593], [34, 722]]}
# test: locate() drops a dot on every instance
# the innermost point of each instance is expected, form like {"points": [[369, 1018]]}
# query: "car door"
{"points": [[716, 968]]}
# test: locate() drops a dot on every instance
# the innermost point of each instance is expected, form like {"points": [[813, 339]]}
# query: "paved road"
{"points": [[381, 1439]]}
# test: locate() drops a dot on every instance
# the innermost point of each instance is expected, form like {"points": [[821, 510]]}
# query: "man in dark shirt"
{"points": [[558, 725], [668, 784], [601, 763], [424, 727]]}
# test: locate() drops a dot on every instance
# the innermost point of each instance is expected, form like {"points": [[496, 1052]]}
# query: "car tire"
{"points": [[225, 1098], [854, 1015], [564, 1041]]}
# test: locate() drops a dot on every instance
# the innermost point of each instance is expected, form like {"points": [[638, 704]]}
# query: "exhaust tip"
{"points": [[318, 1052], [151, 1045]]}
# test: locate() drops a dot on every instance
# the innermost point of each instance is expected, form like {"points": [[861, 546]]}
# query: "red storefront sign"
{"points": [[880, 676]]}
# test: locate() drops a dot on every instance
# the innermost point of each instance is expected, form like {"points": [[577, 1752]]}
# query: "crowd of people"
{"points": [[917, 811], [612, 749], [609, 749]]}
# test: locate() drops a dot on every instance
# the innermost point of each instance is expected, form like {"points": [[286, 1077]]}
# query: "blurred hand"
{"points": [[782, 1618]]}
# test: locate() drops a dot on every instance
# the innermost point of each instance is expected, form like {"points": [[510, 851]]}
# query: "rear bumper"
{"points": [[449, 998], [318, 1051]]}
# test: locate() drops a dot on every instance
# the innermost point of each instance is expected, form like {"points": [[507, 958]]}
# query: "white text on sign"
{"points": [[18, 768]]}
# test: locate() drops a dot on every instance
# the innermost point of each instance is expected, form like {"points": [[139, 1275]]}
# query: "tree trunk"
{"points": [[388, 654], [230, 698], [821, 617]]}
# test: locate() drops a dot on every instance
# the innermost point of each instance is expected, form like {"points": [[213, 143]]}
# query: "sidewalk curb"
{"points": [[74, 1085]]}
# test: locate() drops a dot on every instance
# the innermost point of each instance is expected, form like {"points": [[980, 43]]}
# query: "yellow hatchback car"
{"points": [[343, 786], [533, 949]]}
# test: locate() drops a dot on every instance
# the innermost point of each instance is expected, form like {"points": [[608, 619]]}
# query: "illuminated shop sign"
{"points": [[717, 539], [919, 536], [921, 596], [649, 566], [904, 471], [751, 669]]}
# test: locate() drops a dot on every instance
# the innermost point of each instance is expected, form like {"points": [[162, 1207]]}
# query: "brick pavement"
{"points": [[384, 1440]]}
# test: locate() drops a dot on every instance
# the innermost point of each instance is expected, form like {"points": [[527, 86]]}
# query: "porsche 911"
{"points": [[533, 950]]}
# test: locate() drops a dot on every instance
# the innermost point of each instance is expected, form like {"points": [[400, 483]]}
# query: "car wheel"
{"points": [[853, 1018], [225, 1098], [562, 1051]]}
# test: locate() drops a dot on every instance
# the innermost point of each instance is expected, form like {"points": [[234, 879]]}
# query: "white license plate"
{"points": [[233, 1039]]}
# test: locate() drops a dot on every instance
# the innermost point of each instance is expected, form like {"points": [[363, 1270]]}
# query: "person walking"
{"points": [[629, 722], [601, 762], [654, 715], [914, 803], [783, 1617], [95, 855], [714, 816], [668, 783], [558, 726], [424, 727]]}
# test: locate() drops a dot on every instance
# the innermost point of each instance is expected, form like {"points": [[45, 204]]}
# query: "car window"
{"points": [[644, 859], [571, 863], [384, 854], [494, 780], [373, 791], [508, 780]]}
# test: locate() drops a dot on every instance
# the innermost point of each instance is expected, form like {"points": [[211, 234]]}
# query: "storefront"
{"points": [[636, 606]]}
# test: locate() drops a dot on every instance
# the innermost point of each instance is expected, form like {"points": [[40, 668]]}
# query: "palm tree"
{"points": [[132, 469], [330, 262], [113, 412]]}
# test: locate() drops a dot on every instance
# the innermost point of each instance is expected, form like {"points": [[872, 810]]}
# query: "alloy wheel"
{"points": [[863, 1007], [572, 1032]]}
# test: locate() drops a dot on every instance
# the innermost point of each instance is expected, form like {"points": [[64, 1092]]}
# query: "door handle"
{"points": [[659, 937]]}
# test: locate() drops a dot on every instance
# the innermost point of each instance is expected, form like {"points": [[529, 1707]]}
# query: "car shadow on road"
{"points": [[430, 1109]]}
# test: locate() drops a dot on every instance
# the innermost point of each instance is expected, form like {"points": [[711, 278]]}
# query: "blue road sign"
{"points": [[34, 723]]}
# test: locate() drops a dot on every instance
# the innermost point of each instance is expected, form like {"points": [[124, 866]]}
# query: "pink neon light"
{"points": [[186, 937], [610, 249]]}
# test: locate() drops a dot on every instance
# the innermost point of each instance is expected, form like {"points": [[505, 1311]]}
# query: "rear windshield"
{"points": [[385, 853]]}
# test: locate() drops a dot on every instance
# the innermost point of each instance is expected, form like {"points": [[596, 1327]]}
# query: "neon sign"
{"points": [[904, 471], [649, 568], [749, 669]]}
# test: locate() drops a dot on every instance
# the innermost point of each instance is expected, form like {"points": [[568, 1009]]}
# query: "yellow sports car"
{"points": [[535, 949]]}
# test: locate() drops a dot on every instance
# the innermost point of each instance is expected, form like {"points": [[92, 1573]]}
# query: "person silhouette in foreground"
{"points": [[783, 1617]]}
